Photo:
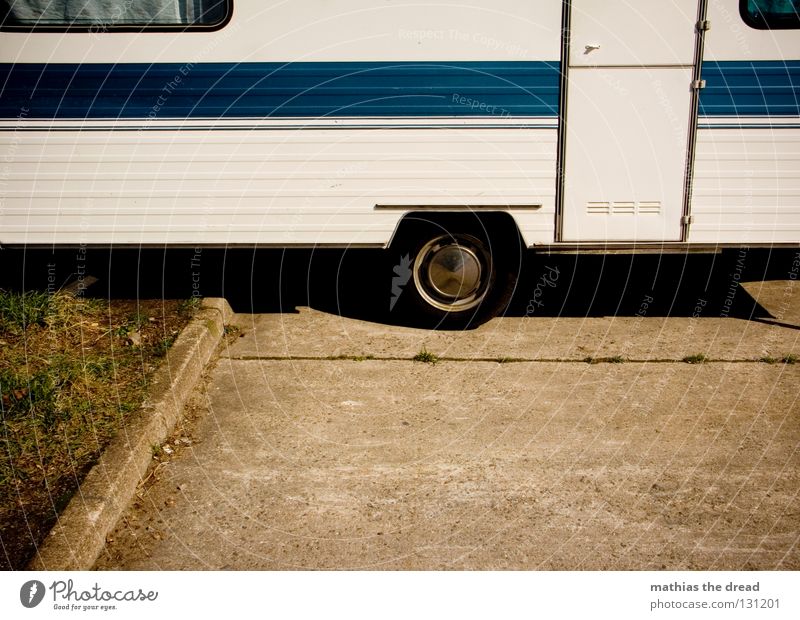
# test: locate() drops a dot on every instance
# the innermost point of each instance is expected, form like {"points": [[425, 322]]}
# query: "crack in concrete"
{"points": [[500, 360]]}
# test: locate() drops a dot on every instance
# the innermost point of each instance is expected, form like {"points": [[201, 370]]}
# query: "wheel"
{"points": [[455, 279], [453, 273]]}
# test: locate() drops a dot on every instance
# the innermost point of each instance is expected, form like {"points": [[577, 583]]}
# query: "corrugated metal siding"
{"points": [[271, 187], [746, 186]]}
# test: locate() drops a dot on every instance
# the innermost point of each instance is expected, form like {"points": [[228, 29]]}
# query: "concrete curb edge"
{"points": [[79, 535]]}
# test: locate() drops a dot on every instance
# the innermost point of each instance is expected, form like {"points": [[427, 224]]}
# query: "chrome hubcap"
{"points": [[452, 272]]}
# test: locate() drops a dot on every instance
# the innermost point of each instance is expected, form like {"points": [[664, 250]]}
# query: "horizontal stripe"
{"points": [[737, 88], [261, 90], [84, 125], [743, 119], [749, 122], [748, 126], [277, 123], [249, 128], [348, 90]]}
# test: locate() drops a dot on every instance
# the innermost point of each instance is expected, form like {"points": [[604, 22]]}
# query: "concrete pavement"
{"points": [[318, 443]]}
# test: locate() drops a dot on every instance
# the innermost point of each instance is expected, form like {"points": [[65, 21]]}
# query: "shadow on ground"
{"points": [[357, 283]]}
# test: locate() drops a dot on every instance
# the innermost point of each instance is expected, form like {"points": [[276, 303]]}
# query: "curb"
{"points": [[79, 535]]}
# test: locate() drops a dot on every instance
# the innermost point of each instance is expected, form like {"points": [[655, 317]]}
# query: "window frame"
{"points": [[112, 28], [762, 23]]}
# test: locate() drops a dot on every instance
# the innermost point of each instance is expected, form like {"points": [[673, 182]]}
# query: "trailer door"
{"points": [[628, 107]]}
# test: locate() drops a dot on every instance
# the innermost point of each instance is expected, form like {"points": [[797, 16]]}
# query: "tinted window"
{"points": [[112, 14], [771, 14]]}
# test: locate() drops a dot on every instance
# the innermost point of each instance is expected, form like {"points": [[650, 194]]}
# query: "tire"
{"points": [[456, 278]]}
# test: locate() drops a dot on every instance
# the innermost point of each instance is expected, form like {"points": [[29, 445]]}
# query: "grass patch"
{"points": [[790, 359], [69, 380], [768, 360], [697, 358], [188, 307], [425, 356], [18, 311]]}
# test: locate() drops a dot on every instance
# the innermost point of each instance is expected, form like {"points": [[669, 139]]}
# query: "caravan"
{"points": [[456, 133]]}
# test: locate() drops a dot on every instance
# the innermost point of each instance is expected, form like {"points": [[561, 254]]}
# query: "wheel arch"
{"points": [[498, 225], [483, 286]]}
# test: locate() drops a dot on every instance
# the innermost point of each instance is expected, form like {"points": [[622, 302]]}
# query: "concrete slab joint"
{"points": [[80, 533]]}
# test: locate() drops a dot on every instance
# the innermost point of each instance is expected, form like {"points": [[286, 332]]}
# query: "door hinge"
{"points": [[703, 25], [686, 220], [698, 84]]}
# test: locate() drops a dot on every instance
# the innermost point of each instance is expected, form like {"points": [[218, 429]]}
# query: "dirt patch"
{"points": [[73, 371]]}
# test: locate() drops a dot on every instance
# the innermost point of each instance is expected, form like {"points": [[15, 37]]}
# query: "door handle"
{"points": [[588, 49]]}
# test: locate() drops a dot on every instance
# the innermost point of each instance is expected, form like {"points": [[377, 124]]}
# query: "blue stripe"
{"points": [[768, 88], [261, 90]]}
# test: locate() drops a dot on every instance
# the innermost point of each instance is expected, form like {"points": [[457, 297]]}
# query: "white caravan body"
{"points": [[271, 123]]}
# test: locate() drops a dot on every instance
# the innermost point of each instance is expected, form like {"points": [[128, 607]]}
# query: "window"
{"points": [[770, 14], [113, 15]]}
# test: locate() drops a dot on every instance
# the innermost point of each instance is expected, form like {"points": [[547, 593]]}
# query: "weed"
{"points": [[697, 358], [127, 406], [188, 307], [160, 348], [30, 396], [790, 359], [616, 359], [767, 360], [99, 367], [121, 331], [425, 356], [18, 311]]}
